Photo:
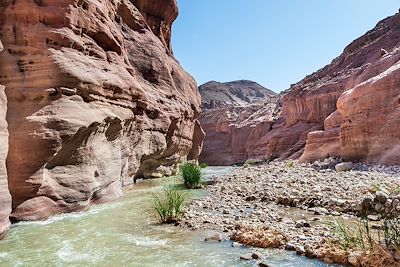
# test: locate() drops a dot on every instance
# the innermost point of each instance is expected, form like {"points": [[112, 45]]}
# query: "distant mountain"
{"points": [[237, 93]]}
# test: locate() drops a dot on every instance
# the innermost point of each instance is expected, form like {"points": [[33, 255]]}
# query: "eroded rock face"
{"points": [[96, 100], [365, 126], [5, 198], [353, 99], [236, 115], [348, 109]]}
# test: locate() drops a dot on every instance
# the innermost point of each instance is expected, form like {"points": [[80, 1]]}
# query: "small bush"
{"points": [[349, 238], [361, 237], [203, 165], [169, 205], [191, 174], [290, 164]]}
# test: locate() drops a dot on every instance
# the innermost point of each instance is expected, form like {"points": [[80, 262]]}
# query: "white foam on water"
{"points": [[73, 215], [145, 241], [3, 255], [69, 255]]}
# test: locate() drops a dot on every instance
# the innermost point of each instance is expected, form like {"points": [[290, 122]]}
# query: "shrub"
{"points": [[361, 237], [349, 238], [191, 174], [290, 164], [169, 205]]}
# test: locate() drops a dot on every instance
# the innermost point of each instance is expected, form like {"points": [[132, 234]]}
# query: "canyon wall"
{"points": [[235, 116], [363, 123], [347, 109], [95, 98], [5, 198]]}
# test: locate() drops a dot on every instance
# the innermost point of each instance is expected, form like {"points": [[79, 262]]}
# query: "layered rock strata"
{"points": [[5, 198], [347, 109], [96, 100], [235, 116], [365, 125]]}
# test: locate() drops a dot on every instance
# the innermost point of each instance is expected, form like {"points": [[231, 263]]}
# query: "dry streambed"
{"points": [[288, 205]]}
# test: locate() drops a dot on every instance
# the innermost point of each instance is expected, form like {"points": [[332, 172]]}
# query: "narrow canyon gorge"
{"points": [[348, 109], [92, 100], [95, 100]]}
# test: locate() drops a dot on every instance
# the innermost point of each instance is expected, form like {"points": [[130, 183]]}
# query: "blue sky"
{"points": [[275, 43]]}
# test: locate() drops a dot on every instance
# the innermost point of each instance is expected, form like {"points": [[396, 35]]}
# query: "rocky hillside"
{"points": [[236, 93], [350, 108], [235, 115], [95, 100]]}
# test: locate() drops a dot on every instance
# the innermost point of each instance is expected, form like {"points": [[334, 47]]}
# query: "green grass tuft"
{"points": [[361, 236], [169, 204], [192, 175]]}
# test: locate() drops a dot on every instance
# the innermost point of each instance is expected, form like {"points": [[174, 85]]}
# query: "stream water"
{"points": [[124, 233]]}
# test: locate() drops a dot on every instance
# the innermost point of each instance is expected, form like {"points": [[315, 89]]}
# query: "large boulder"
{"points": [[96, 100]]}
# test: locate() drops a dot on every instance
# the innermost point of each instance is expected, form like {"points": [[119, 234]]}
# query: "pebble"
{"points": [[286, 199], [302, 223], [374, 218], [344, 167], [251, 198], [381, 197], [247, 256], [300, 250], [216, 237], [320, 211], [291, 246], [257, 255], [236, 245]]}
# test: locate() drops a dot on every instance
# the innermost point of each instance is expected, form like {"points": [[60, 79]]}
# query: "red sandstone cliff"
{"points": [[356, 97], [5, 198], [95, 100], [349, 109]]}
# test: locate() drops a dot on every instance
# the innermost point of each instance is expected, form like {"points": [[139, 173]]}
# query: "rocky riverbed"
{"points": [[289, 205]]}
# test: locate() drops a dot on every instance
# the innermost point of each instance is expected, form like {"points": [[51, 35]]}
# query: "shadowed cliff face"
{"points": [[348, 109], [5, 198], [95, 100]]}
